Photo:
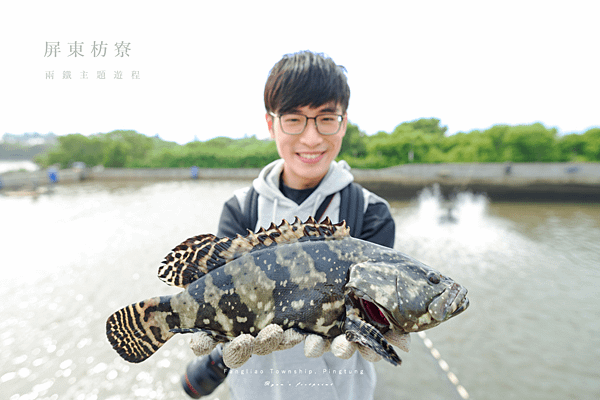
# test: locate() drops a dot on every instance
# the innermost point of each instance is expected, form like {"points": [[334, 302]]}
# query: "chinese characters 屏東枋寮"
{"points": [[76, 49]]}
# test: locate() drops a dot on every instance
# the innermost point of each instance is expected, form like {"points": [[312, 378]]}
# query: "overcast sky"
{"points": [[201, 66]]}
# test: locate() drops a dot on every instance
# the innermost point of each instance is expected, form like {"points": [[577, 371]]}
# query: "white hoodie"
{"points": [[289, 374], [273, 206]]}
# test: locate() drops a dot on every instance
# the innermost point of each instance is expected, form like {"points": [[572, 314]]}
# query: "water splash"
{"points": [[464, 208], [432, 219], [458, 233]]}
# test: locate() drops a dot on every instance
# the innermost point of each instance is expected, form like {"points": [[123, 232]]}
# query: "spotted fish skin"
{"points": [[307, 276], [298, 285]]}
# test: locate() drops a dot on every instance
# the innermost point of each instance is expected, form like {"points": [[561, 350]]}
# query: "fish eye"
{"points": [[433, 277]]}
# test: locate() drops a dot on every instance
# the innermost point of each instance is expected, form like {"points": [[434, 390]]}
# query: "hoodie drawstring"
{"points": [[275, 202]]}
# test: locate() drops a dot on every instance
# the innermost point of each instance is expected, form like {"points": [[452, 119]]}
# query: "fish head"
{"points": [[404, 294]]}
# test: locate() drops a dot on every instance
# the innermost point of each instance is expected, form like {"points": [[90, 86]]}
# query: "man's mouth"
{"points": [[311, 157]]}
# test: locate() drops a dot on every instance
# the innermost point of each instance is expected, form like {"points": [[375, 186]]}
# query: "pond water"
{"points": [[71, 258], [25, 165]]}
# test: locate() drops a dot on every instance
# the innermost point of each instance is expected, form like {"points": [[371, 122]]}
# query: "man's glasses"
{"points": [[295, 124]]}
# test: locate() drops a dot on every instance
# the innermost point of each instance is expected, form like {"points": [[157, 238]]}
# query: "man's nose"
{"points": [[311, 135]]}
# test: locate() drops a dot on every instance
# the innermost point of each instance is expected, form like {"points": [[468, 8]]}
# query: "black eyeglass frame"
{"points": [[340, 120]]}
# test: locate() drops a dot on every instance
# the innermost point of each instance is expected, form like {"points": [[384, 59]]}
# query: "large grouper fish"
{"points": [[311, 277]]}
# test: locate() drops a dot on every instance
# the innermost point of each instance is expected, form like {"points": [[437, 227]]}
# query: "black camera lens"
{"points": [[204, 374]]}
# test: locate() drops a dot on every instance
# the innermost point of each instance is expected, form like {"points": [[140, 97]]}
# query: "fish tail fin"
{"points": [[139, 330]]}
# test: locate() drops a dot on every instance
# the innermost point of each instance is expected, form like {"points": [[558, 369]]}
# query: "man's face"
{"points": [[307, 156]]}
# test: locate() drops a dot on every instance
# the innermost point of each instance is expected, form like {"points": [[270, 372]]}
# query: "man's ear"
{"points": [[270, 120], [344, 125]]}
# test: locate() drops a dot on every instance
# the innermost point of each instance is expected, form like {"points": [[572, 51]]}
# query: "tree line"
{"points": [[419, 141]]}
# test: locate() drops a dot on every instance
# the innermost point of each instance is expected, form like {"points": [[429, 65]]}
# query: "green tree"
{"points": [[496, 135], [572, 147], [592, 145], [427, 126], [136, 145], [530, 143], [76, 147], [353, 143], [116, 157]]}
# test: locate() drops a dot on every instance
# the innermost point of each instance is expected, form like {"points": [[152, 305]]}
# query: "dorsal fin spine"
{"points": [[201, 254]]}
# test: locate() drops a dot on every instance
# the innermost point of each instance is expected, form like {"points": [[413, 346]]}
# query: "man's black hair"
{"points": [[305, 79]]}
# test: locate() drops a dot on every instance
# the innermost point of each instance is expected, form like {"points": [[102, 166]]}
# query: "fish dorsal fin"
{"points": [[201, 254]]}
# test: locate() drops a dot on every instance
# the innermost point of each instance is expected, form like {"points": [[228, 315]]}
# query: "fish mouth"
{"points": [[372, 312], [450, 303]]}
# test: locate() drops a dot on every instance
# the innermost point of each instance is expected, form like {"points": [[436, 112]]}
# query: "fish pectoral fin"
{"points": [[365, 334], [217, 336], [186, 330]]}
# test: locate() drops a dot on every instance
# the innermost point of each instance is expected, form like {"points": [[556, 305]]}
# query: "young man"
{"points": [[306, 98]]}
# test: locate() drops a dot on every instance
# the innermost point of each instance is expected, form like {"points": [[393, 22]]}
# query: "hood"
{"points": [[274, 206]]}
